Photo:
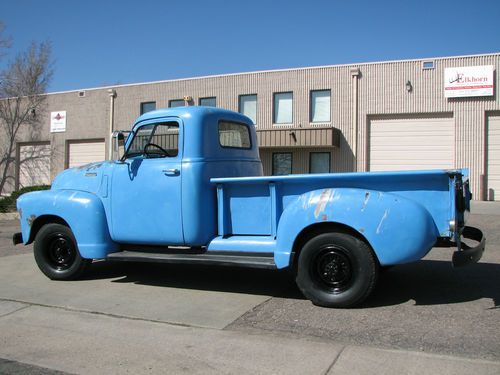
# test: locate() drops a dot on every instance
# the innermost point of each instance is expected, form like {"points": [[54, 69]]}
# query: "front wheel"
{"points": [[336, 270], [56, 253]]}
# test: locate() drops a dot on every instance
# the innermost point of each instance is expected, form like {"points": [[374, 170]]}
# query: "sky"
{"points": [[104, 42]]}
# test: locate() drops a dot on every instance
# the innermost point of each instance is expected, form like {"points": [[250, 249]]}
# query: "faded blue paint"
{"points": [[208, 203], [82, 211], [401, 214]]}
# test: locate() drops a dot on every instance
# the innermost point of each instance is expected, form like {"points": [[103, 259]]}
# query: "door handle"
{"points": [[171, 172]]}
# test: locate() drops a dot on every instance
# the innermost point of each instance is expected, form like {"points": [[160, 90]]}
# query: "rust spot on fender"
{"points": [[367, 198], [322, 202], [324, 217], [31, 220]]}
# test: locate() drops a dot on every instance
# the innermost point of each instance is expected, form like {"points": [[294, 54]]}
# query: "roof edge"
{"points": [[492, 54]]}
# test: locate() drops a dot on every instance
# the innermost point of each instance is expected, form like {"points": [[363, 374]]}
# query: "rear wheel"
{"points": [[56, 253], [336, 270]]}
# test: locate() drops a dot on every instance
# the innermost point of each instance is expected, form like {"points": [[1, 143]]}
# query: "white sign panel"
{"points": [[58, 122], [468, 81]]}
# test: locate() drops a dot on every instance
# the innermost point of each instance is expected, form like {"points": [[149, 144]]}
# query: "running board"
{"points": [[214, 258]]}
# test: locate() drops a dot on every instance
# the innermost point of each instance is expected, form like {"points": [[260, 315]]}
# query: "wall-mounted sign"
{"points": [[58, 122], [468, 81]]}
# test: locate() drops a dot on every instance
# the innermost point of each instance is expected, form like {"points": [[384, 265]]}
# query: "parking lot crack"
{"points": [[110, 315], [334, 361], [14, 311]]}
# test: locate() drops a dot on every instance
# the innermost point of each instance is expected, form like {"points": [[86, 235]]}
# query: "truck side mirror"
{"points": [[118, 145]]}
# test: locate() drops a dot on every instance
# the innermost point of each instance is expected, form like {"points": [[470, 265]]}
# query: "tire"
{"points": [[56, 253], [336, 270]]}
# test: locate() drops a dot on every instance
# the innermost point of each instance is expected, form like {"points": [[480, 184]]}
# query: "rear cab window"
{"points": [[234, 135]]}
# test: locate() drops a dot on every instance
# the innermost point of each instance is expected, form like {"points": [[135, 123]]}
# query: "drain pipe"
{"points": [[112, 96], [355, 73]]}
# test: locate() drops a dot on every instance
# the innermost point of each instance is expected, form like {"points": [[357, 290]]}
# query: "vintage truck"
{"points": [[188, 188]]}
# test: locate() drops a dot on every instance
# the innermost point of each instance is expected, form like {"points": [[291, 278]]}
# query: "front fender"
{"points": [[398, 229], [83, 212]]}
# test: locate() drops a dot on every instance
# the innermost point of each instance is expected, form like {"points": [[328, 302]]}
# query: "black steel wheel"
{"points": [[336, 270], [56, 253]]}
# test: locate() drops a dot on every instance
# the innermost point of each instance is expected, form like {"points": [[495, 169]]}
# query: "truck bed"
{"points": [[250, 210]]}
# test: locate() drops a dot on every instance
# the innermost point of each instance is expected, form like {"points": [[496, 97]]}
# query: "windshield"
{"points": [[155, 140]]}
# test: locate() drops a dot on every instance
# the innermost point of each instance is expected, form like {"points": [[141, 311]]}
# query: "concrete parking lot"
{"points": [[424, 317]]}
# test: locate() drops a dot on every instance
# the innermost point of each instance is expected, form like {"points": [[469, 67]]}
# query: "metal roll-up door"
{"points": [[81, 153], [493, 159], [409, 144], [34, 165]]}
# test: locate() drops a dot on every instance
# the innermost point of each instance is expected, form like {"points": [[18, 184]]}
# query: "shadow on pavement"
{"points": [[434, 282], [427, 282], [197, 277]]}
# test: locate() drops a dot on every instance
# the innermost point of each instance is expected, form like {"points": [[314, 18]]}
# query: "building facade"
{"points": [[398, 115]]}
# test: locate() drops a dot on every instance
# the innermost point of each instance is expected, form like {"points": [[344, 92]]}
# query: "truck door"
{"points": [[146, 187]]}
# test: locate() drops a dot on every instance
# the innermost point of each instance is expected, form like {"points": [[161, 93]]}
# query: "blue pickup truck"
{"points": [[188, 187]]}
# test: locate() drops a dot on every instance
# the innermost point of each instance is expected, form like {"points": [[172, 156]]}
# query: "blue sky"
{"points": [[97, 43]]}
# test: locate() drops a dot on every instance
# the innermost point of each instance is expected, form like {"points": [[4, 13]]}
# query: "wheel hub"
{"points": [[61, 253], [333, 268]]}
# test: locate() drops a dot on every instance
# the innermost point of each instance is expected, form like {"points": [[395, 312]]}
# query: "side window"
{"points": [[164, 135], [234, 135]]}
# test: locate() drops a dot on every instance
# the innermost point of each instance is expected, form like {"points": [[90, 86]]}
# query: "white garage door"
{"points": [[494, 159], [408, 144], [34, 165], [84, 153]]}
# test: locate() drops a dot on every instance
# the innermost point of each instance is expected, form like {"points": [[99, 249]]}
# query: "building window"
{"points": [[247, 105], [427, 64], [234, 135], [320, 106], [208, 102], [319, 162], [176, 103], [147, 107], [283, 108], [282, 163]]}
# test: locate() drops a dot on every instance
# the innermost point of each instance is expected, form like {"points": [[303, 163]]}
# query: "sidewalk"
{"points": [[95, 343]]}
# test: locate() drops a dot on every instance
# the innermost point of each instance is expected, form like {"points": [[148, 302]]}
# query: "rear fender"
{"points": [[83, 212], [399, 230]]}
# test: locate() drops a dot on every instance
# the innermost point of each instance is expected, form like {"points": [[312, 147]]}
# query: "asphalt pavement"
{"points": [[424, 317]]}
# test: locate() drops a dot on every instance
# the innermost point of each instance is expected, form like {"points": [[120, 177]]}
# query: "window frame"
{"points": [[274, 108], [291, 163], [311, 107], [237, 123], [208, 97], [141, 106], [155, 123], [329, 161], [176, 100], [256, 104]]}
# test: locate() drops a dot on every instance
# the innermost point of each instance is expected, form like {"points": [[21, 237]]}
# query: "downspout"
{"points": [[112, 96], [355, 73]]}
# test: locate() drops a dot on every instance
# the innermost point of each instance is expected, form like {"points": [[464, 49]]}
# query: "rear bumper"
{"points": [[465, 254]]}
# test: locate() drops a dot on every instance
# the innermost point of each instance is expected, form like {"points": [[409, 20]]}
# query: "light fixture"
{"points": [[294, 137], [409, 86]]}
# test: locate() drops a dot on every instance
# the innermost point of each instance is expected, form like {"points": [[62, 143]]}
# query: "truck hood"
{"points": [[84, 178]]}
